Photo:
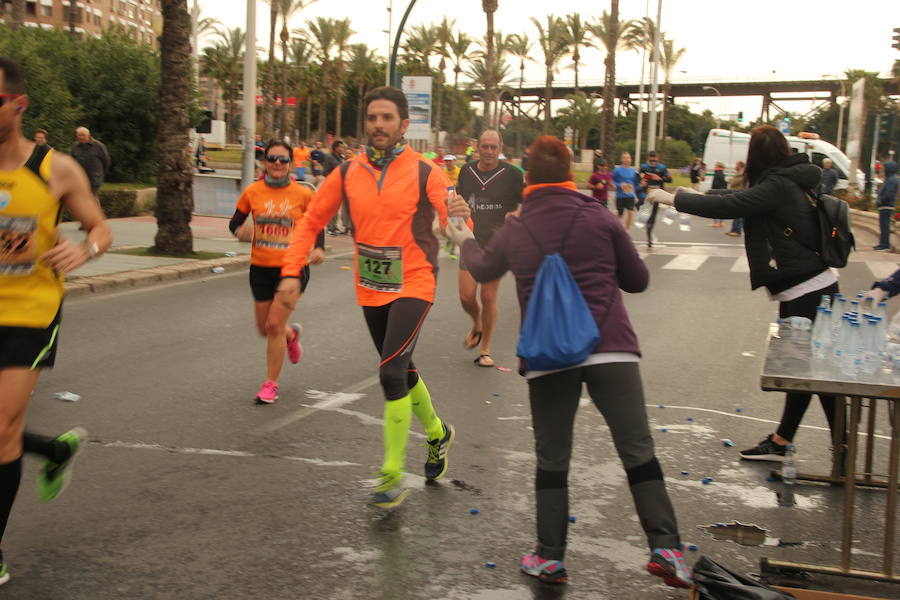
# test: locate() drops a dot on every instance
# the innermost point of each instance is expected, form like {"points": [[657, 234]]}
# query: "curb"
{"points": [[81, 286]]}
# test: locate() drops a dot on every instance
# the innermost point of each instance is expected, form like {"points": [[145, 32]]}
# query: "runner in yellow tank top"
{"points": [[35, 184]]}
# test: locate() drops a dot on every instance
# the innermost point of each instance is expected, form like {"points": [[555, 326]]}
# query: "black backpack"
{"points": [[835, 236]]}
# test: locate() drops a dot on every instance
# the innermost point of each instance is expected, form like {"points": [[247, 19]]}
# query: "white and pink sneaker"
{"points": [[294, 349], [269, 392]]}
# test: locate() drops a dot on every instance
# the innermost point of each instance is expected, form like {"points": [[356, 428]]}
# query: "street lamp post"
{"points": [[709, 87], [248, 114], [840, 130], [392, 65]]}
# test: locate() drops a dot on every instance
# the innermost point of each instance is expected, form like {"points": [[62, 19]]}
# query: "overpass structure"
{"points": [[627, 92]]}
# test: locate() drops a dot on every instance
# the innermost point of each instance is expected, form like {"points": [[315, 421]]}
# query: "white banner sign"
{"points": [[856, 128], [418, 95]]}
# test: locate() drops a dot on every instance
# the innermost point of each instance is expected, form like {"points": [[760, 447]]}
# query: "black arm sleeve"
{"points": [[237, 219], [320, 239]]}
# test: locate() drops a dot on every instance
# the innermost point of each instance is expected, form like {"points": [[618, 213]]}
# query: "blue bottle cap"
{"points": [[571, 519], [473, 511], [490, 565]]}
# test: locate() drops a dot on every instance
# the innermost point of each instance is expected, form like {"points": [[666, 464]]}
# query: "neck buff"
{"points": [[278, 183], [380, 158]]}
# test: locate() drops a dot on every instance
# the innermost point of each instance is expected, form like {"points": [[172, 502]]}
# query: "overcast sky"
{"points": [[724, 39]]}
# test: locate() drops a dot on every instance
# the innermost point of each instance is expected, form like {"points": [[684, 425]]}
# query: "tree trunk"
{"points": [[17, 18], [489, 70], [548, 94], [338, 98], [608, 129], [663, 126], [175, 177], [576, 57], [323, 117], [284, 89], [439, 102], [268, 85], [308, 117], [359, 111], [72, 7]]}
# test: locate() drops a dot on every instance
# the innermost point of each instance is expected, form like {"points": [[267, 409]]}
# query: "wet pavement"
{"points": [[189, 490]]}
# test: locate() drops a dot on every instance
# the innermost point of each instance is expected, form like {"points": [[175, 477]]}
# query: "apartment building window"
{"points": [[31, 9], [98, 20], [68, 13], [46, 11]]}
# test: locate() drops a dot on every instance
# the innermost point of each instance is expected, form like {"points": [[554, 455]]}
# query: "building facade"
{"points": [[92, 17]]}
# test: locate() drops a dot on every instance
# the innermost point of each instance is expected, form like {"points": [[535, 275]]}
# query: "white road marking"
{"points": [[741, 265], [881, 270], [217, 452], [686, 262], [327, 401]]}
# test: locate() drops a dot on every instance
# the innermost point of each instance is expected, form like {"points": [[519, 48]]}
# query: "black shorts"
{"points": [[30, 347], [264, 281], [624, 203]]}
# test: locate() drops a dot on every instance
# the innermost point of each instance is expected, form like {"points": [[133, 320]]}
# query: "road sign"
{"points": [[418, 95]]}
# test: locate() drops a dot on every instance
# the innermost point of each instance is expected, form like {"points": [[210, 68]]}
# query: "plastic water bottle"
{"points": [[643, 215], [851, 358], [451, 191], [821, 331], [871, 354], [841, 340], [669, 215], [825, 301], [684, 221], [789, 467]]}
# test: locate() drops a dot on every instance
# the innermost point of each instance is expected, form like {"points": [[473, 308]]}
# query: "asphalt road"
{"points": [[189, 490]]}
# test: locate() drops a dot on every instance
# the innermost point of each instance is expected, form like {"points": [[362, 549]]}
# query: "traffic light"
{"points": [[740, 116], [896, 44]]}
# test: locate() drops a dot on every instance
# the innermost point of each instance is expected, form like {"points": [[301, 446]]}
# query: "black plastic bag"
{"points": [[715, 582]]}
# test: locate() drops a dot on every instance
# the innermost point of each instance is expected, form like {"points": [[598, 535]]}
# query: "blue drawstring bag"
{"points": [[559, 330]]}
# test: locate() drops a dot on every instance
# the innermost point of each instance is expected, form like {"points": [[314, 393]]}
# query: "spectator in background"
{"points": [[600, 182], [887, 199], [301, 160], [627, 181], [317, 160], [598, 158], [41, 137], [93, 157], [737, 182], [654, 174], [451, 168], [829, 177], [696, 173], [719, 183], [330, 163]]}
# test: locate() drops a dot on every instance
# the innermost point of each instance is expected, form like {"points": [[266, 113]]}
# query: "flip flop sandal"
{"points": [[475, 343], [478, 362]]}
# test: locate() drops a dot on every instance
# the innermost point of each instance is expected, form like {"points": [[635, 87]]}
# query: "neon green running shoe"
{"points": [[389, 492], [53, 477], [4, 570]]}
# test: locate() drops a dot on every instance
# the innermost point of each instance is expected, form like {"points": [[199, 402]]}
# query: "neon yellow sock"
{"points": [[397, 416], [421, 405]]}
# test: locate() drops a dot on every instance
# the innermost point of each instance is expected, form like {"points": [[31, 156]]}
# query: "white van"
{"points": [[729, 147]]}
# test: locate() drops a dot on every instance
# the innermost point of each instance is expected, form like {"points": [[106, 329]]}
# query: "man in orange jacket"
{"points": [[392, 194]]}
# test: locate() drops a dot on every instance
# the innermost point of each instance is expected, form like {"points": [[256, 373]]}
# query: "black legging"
{"points": [[652, 221], [395, 328], [796, 403]]}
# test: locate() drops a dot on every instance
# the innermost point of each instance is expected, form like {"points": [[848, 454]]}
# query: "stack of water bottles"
{"points": [[852, 334], [669, 217]]}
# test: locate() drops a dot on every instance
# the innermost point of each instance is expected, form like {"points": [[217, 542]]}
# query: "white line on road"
{"points": [[216, 452], [741, 265], [881, 270], [327, 401], [686, 262]]}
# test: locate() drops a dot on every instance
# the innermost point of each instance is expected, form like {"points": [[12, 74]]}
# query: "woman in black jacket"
{"points": [[781, 232]]}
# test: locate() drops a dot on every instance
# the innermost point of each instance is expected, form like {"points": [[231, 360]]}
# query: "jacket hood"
{"points": [[890, 168], [798, 169]]}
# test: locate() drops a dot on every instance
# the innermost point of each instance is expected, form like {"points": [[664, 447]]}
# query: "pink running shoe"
{"points": [[268, 394], [669, 564], [295, 350], [548, 571]]}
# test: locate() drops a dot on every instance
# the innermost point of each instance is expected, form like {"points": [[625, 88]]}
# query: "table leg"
{"points": [[870, 439], [837, 436], [850, 483], [891, 511]]}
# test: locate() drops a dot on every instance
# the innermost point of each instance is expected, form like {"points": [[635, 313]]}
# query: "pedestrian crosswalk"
{"points": [[695, 258]]}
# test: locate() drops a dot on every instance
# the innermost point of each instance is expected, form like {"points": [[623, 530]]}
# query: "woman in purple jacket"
{"points": [[603, 260]]}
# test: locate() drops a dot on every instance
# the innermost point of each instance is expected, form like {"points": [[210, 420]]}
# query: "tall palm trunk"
{"points": [[338, 99], [608, 124], [667, 89], [309, 101], [285, 37], [268, 86], [438, 95], [489, 6], [576, 57], [17, 18], [174, 200], [548, 94], [521, 83], [360, 90], [323, 117]]}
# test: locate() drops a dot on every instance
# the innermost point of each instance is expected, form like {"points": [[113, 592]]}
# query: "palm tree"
{"points": [[342, 35], [301, 55], [669, 57], [361, 67], [287, 9], [224, 62], [323, 38], [268, 81], [17, 18], [489, 7], [458, 48], [420, 45], [577, 37], [553, 44], [520, 47], [445, 38], [608, 30], [501, 45], [174, 199], [581, 114]]}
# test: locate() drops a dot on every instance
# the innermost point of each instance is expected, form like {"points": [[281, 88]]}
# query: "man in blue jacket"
{"points": [[887, 198]]}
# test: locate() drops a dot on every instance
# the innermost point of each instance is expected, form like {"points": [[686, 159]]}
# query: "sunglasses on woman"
{"points": [[281, 159]]}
